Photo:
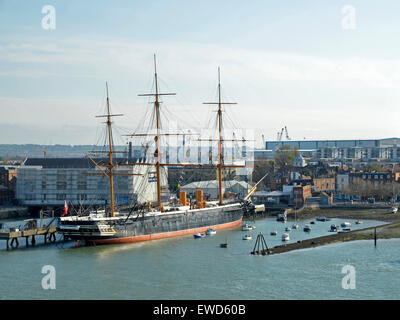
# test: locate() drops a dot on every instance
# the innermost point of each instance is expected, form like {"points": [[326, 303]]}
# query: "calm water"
{"points": [[187, 268]]}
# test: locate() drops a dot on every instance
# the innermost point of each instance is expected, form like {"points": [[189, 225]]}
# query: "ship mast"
{"points": [[221, 139], [158, 134], [110, 160], [109, 173]]}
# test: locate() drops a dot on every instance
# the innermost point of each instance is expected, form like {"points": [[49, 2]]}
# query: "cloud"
{"points": [[320, 97]]}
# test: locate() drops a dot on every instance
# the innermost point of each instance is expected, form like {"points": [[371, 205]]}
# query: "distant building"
{"points": [[272, 198], [376, 178], [299, 162], [7, 184], [324, 184], [210, 188], [342, 181], [300, 194], [365, 150], [51, 181]]}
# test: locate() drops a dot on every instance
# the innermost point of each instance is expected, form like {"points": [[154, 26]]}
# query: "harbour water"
{"points": [[188, 268]]}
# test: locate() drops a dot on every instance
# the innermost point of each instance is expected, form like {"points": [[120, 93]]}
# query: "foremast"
{"points": [[109, 172]]}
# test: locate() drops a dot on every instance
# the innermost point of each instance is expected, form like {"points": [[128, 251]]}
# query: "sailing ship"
{"points": [[148, 221]]}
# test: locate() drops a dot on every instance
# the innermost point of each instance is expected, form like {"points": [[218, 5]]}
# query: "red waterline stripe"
{"points": [[172, 234]]}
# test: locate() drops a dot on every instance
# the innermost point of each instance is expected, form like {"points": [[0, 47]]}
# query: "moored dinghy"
{"points": [[285, 237], [210, 232]]}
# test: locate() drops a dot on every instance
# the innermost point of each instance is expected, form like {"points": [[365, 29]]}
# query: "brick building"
{"points": [[300, 194]]}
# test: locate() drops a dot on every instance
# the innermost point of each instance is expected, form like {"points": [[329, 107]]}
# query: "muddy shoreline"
{"points": [[388, 230]]}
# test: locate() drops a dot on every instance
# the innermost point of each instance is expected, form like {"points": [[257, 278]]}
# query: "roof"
{"points": [[62, 163], [271, 194]]}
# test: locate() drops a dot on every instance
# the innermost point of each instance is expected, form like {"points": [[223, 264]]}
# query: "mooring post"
{"points": [[375, 236]]}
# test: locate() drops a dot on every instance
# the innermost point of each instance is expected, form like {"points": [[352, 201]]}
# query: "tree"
{"points": [[284, 158], [262, 167]]}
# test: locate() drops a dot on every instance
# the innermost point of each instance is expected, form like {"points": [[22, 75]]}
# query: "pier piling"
{"points": [[260, 242]]}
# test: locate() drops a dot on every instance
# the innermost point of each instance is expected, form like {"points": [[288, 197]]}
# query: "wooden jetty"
{"points": [[11, 235]]}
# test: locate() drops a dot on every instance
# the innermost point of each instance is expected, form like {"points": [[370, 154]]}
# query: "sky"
{"points": [[324, 69]]}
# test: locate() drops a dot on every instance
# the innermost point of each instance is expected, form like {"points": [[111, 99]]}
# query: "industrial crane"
{"points": [[41, 149], [280, 134]]}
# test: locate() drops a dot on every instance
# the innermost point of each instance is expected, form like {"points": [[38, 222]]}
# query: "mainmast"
{"points": [[158, 135], [220, 139], [110, 160]]}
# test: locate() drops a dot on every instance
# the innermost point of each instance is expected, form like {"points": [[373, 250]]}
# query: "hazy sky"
{"points": [[309, 65]]}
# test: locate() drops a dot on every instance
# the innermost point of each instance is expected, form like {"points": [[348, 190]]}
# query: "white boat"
{"points": [[334, 228], [285, 237], [307, 228], [288, 229], [247, 237], [247, 227], [198, 235], [295, 226], [210, 232], [394, 209], [359, 222], [282, 217], [274, 233], [345, 224]]}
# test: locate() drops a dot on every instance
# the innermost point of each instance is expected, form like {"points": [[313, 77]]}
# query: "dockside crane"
{"points": [[43, 150]]}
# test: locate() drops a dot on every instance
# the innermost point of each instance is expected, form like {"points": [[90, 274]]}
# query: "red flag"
{"points": [[65, 209]]}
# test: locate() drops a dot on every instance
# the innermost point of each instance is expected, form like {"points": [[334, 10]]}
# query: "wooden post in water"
{"points": [[375, 236]]}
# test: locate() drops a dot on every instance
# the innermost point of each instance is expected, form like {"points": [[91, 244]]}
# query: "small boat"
{"points": [[312, 222], [346, 229], [285, 237], [247, 237], [334, 228], [225, 244], [359, 222], [295, 226], [198, 235], [307, 228], [288, 229], [345, 224], [247, 227], [210, 232], [394, 209], [322, 219], [274, 233], [282, 217]]}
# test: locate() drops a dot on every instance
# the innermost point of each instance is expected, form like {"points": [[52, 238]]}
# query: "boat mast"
{"points": [[158, 134], [221, 156], [110, 159], [157, 138], [220, 139]]}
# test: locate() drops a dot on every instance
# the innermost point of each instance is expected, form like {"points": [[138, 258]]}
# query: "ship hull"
{"points": [[151, 227], [171, 234]]}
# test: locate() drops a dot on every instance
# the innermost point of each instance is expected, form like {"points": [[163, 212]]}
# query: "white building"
{"points": [[51, 181]]}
